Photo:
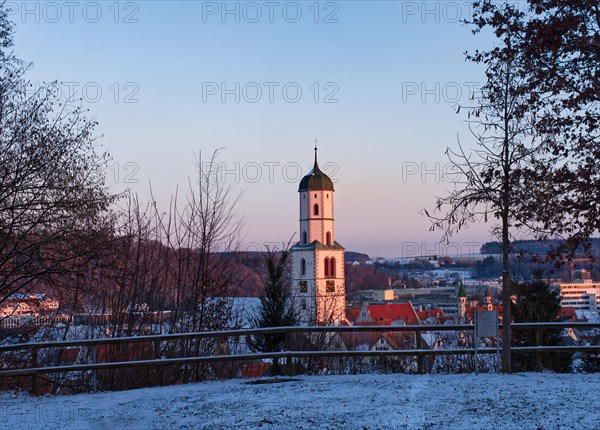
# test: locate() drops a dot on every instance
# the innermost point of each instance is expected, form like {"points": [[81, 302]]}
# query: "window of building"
{"points": [[303, 304], [315, 196], [328, 238], [304, 237], [326, 266], [303, 267], [316, 210]]}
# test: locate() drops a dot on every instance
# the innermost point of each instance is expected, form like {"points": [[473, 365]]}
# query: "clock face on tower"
{"points": [[330, 286], [303, 287], [317, 259]]}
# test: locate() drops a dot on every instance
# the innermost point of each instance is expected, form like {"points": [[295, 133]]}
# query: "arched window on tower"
{"points": [[332, 267], [328, 238], [316, 210], [304, 238], [326, 266], [303, 267]]}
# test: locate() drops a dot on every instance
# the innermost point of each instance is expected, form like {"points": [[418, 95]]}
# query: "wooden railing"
{"points": [[420, 352]]}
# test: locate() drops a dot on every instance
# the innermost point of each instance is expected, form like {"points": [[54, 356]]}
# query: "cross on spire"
{"points": [[316, 151]]}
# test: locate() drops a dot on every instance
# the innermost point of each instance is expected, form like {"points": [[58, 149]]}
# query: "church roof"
{"points": [[315, 244], [316, 180]]}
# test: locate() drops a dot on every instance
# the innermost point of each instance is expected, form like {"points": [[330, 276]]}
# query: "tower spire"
{"points": [[316, 152]]}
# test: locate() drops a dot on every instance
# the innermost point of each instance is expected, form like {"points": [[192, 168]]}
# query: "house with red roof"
{"points": [[431, 316], [383, 314], [568, 313]]}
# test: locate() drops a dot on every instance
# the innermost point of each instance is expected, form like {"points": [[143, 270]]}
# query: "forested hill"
{"points": [[535, 247]]}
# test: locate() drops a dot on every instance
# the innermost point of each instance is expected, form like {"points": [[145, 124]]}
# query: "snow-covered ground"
{"points": [[393, 401]]}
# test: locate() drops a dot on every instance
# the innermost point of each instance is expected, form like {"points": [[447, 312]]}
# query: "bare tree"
{"points": [[172, 271], [53, 198], [558, 55], [491, 180], [202, 235]]}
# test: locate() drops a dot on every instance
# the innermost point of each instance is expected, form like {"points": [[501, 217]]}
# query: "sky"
{"points": [[376, 83]]}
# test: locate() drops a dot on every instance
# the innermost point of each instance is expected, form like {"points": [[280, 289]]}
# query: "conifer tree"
{"points": [[538, 302], [276, 306]]}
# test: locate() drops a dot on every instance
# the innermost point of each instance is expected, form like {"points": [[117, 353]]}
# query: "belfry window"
{"points": [[326, 266], [303, 267], [316, 209], [328, 238], [304, 238]]}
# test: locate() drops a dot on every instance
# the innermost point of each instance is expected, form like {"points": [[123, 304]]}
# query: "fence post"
{"points": [[94, 372], [34, 364], [538, 354], [420, 360], [288, 359], [158, 369]]}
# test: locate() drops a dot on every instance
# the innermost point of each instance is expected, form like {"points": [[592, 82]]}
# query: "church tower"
{"points": [[462, 302], [489, 299], [317, 259]]}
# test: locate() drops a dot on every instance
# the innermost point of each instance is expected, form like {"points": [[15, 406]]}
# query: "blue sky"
{"points": [[377, 90]]}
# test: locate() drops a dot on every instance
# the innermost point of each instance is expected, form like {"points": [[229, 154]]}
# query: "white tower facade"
{"points": [[317, 274]]}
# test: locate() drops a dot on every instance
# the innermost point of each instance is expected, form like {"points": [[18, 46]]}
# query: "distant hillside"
{"points": [[351, 256], [535, 247]]}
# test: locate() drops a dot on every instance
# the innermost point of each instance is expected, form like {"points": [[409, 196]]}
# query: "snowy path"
{"points": [[528, 401]]}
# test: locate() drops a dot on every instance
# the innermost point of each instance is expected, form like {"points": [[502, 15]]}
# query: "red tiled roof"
{"points": [[351, 314], [423, 315], [380, 322], [568, 312], [394, 311], [471, 311]]}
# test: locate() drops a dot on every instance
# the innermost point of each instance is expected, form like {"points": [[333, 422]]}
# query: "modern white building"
{"points": [[317, 276], [581, 294]]}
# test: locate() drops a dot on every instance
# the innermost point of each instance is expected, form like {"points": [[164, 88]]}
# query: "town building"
{"points": [[32, 304], [317, 272], [399, 314], [581, 294]]}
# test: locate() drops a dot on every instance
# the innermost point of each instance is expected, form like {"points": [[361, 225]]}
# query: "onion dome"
{"points": [[316, 180]]}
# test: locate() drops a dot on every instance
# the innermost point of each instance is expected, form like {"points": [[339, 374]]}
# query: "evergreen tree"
{"points": [[276, 307], [538, 302]]}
